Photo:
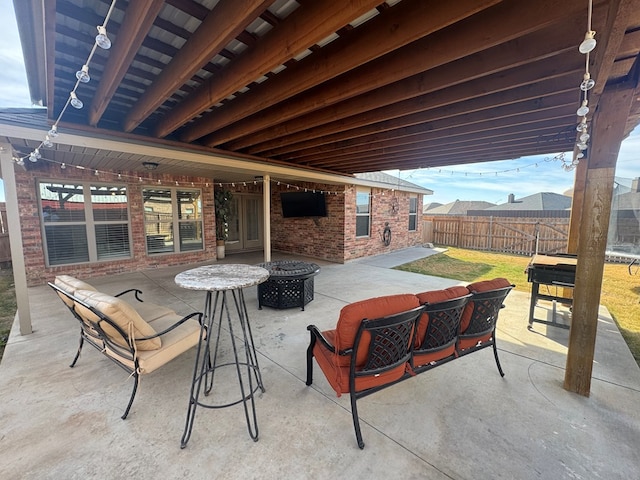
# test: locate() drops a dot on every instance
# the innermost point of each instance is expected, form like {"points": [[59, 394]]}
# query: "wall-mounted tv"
{"points": [[303, 204]]}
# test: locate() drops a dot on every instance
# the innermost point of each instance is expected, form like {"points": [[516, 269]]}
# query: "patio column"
{"points": [[266, 205], [15, 238], [577, 207], [608, 128]]}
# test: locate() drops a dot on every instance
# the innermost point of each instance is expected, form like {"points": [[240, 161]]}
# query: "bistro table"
{"points": [[290, 284], [227, 281]]}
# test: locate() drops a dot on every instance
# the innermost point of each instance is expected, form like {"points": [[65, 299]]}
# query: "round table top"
{"points": [[290, 268], [221, 277]]}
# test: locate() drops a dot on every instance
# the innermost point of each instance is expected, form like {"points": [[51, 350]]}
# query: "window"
{"points": [[171, 210], [84, 222], [363, 212], [413, 213]]}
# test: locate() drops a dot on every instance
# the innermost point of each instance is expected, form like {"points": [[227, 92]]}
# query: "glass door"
{"points": [[245, 225]]}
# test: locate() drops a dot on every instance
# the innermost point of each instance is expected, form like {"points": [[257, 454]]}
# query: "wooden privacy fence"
{"points": [[5, 250], [522, 236]]}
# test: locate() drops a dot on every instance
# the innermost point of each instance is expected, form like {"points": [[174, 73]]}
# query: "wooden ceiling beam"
{"points": [[505, 115], [565, 83], [506, 21], [425, 160], [485, 72], [136, 23], [465, 136], [306, 26], [228, 19], [394, 28], [521, 125], [476, 141]]}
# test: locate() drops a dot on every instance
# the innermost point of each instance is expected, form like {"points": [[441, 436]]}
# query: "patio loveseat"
{"points": [[381, 341], [140, 337]]}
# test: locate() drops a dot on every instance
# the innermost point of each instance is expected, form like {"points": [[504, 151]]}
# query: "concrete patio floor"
{"points": [[458, 421]]}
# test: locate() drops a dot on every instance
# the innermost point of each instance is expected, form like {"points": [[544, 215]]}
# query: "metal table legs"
{"points": [[208, 361]]}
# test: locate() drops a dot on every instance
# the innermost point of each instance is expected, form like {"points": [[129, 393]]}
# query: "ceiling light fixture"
{"points": [[150, 165]]}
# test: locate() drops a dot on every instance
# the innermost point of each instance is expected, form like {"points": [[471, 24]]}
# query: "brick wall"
{"points": [[331, 238], [38, 272], [334, 237], [321, 237], [386, 207]]}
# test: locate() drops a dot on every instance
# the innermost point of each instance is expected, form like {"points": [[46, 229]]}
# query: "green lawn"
{"points": [[620, 291], [7, 306]]}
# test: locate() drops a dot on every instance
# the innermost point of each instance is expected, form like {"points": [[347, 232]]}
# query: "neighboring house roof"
{"points": [[458, 207], [538, 201], [28, 117], [389, 181], [429, 206]]}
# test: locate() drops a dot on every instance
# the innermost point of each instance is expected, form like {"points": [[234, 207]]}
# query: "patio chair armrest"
{"points": [[175, 325], [317, 334], [137, 293]]}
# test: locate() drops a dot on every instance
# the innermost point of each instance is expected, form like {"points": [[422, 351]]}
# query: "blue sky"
{"points": [[490, 181]]}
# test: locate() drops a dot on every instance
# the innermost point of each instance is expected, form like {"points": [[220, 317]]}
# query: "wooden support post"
{"points": [[15, 239], [577, 207], [607, 134]]}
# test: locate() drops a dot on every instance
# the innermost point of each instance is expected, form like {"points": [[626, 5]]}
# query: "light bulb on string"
{"points": [[83, 74], [584, 137], [587, 82], [101, 39], [35, 155], [47, 142], [53, 133], [75, 101], [581, 146], [589, 43], [580, 155], [582, 126], [583, 110]]}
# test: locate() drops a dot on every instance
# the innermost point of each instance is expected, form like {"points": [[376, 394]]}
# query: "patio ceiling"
{"points": [[345, 87]]}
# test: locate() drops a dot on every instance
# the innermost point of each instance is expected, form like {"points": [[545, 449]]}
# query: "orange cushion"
{"points": [[336, 367], [424, 358], [435, 296], [337, 373], [464, 343], [479, 287], [351, 315]]}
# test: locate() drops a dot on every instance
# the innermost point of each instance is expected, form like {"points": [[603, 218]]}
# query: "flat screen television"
{"points": [[303, 204]]}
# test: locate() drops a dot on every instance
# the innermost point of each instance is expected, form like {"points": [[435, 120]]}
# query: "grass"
{"points": [[620, 290], [7, 306]]}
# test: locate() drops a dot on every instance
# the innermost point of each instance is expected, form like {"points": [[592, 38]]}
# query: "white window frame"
{"points": [[363, 191], [176, 222], [88, 222], [413, 215]]}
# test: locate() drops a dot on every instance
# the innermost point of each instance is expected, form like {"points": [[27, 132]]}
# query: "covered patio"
{"points": [[458, 421]]}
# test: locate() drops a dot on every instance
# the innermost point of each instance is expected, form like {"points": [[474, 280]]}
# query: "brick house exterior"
{"points": [[330, 238]]}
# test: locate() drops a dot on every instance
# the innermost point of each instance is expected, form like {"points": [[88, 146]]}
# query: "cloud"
{"points": [[13, 78]]}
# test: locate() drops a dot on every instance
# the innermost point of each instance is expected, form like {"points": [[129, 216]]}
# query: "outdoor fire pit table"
{"points": [[290, 284]]}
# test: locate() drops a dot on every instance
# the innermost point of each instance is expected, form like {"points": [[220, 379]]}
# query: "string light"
{"points": [[82, 76], [586, 47]]}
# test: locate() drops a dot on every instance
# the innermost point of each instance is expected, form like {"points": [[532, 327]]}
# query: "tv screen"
{"points": [[303, 204]]}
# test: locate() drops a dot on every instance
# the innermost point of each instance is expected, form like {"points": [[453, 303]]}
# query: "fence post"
{"points": [[490, 233]]}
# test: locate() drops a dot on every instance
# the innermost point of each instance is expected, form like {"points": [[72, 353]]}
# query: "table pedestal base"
{"points": [[207, 360]]}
